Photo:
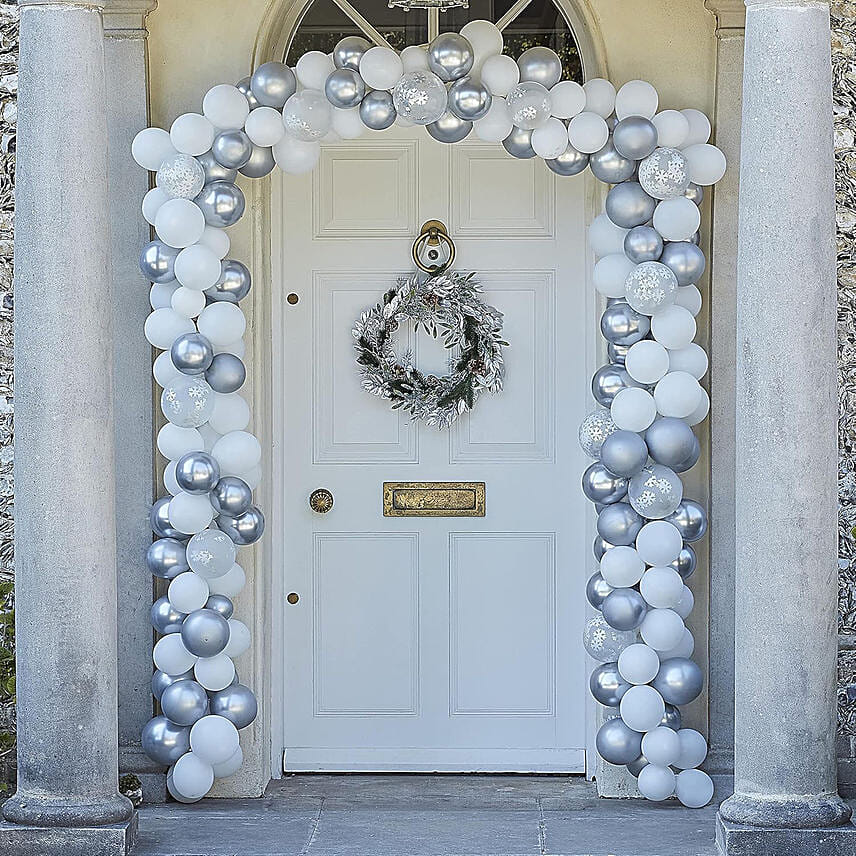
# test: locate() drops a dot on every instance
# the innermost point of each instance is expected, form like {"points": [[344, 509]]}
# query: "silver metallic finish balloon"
{"points": [[607, 686], [449, 128], [377, 110], [349, 51], [597, 588], [159, 519], [570, 162], [695, 192], [685, 260], [691, 520], [184, 702], [611, 167], [234, 283], [656, 492], [519, 143], [450, 56], [624, 609], [594, 429], [540, 64], [232, 149], [157, 262], [222, 203], [635, 137], [619, 524], [236, 703], [166, 558], [243, 85], [624, 453], [163, 741], [599, 547], [205, 633], [623, 325], [686, 562], [344, 88], [231, 496], [628, 205], [643, 244], [679, 680], [165, 617], [161, 680], [469, 99], [636, 767], [617, 353], [220, 604], [616, 743], [608, 381], [672, 718], [197, 472], [600, 485], [226, 373], [696, 238], [689, 462], [244, 529], [191, 353], [260, 164], [670, 441], [272, 84], [215, 171]]}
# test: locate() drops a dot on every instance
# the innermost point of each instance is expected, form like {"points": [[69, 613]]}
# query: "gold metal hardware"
{"points": [[432, 234], [292, 597], [292, 298], [321, 500], [433, 499]]}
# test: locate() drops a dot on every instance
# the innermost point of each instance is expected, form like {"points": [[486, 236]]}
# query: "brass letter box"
{"points": [[433, 499]]}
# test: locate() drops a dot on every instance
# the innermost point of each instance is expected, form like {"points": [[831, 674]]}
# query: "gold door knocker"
{"points": [[433, 233]]}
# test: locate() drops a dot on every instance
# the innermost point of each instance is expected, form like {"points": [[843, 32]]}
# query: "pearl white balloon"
{"points": [[192, 134], [197, 267], [661, 587], [656, 783], [699, 127], [239, 638], [187, 302], [414, 58], [622, 567], [588, 132], [658, 543], [496, 125], [706, 163], [673, 328], [190, 513], [638, 664], [486, 40], [691, 359], [169, 482], [685, 603], [642, 708], [179, 223], [229, 413], [700, 413], [550, 139], [568, 97], [694, 788], [684, 648], [693, 749], [662, 629], [151, 147], [164, 370], [636, 98], [222, 323], [209, 436], [230, 584], [214, 739], [646, 361], [230, 766], [191, 777], [152, 202], [312, 70], [252, 477], [164, 326], [296, 157], [600, 96], [225, 106], [689, 297], [170, 655], [677, 219], [188, 591], [500, 73], [264, 126], [237, 452], [605, 238], [660, 746], [217, 240], [633, 409], [173, 441], [677, 394], [610, 272], [214, 673], [673, 128], [380, 68], [347, 123], [160, 294]]}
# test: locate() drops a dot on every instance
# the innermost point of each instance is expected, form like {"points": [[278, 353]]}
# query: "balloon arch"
{"points": [[648, 395]]}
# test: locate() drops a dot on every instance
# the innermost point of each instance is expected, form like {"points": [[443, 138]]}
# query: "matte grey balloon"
{"points": [[608, 381], [236, 703], [159, 519], [469, 99], [570, 162], [205, 633], [606, 684], [623, 325], [234, 284], [184, 702], [191, 353], [165, 617], [260, 164], [636, 767], [519, 144], [690, 519], [166, 558], [349, 51], [220, 604], [686, 261], [231, 496], [624, 453], [635, 137], [344, 88], [623, 609], [243, 85], [197, 472], [272, 84], [597, 588], [672, 718], [222, 203], [157, 262], [163, 741], [600, 485], [643, 244], [695, 193], [232, 149], [449, 128], [686, 562], [540, 64], [616, 743], [226, 373], [689, 462], [450, 56], [617, 354], [619, 524], [670, 441], [244, 529], [628, 205], [679, 680], [215, 171], [599, 547], [611, 167], [161, 680], [377, 110]]}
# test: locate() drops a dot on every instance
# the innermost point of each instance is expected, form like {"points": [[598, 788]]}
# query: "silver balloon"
{"points": [[594, 429], [605, 643], [635, 137], [686, 562], [191, 353], [628, 205], [636, 767], [599, 547], [670, 441], [222, 203], [656, 492], [690, 518], [234, 283], [696, 238], [243, 86], [608, 381], [617, 354], [679, 680], [232, 149], [540, 64], [349, 51], [623, 325], [625, 454], [694, 192], [623, 609], [159, 519], [163, 741], [449, 128], [244, 529], [272, 84], [184, 702], [643, 244], [450, 56], [664, 174], [600, 485], [611, 167], [197, 472], [691, 460], [607, 686], [220, 604], [226, 373], [205, 633], [161, 680], [231, 496], [377, 110], [165, 617], [617, 743], [685, 260], [469, 99], [344, 88], [619, 524], [236, 703], [519, 143], [672, 718], [570, 162], [157, 262], [166, 558], [180, 176], [215, 171], [260, 164], [597, 588]]}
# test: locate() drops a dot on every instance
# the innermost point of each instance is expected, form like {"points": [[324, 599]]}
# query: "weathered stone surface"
{"points": [[113, 840], [735, 840]]}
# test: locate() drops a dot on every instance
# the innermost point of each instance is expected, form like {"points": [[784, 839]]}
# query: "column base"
{"points": [[114, 840], [734, 839], [25, 809], [809, 812]]}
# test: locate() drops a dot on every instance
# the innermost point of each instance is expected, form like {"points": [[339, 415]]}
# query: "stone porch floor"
{"points": [[420, 815]]}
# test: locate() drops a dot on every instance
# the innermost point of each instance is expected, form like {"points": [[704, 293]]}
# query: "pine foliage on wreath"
{"points": [[447, 305]]}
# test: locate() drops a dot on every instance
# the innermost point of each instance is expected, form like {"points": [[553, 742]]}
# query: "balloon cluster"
{"points": [[648, 264]]}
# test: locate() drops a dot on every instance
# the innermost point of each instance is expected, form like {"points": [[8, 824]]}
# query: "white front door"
{"points": [[427, 643]]}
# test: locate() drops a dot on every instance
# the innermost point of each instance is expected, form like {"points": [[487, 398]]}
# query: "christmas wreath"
{"points": [[447, 304]]}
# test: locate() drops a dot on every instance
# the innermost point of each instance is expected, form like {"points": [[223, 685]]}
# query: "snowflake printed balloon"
{"points": [[656, 492], [664, 174], [651, 287], [420, 96]]}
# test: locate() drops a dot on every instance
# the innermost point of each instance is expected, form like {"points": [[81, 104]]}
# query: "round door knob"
{"points": [[321, 500]]}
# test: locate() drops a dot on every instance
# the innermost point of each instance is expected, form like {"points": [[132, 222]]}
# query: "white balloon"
{"points": [[264, 126], [622, 567], [636, 98], [610, 272], [296, 157], [414, 58], [638, 664], [690, 298], [600, 96], [187, 302], [197, 267], [164, 326], [238, 348], [169, 481], [225, 106], [661, 587], [685, 603], [684, 648], [550, 139], [660, 746], [486, 40], [658, 543], [677, 219], [662, 629], [231, 583], [209, 436], [706, 163], [160, 294], [191, 776], [214, 673], [674, 327], [239, 639], [677, 394], [347, 123], [699, 127], [173, 442], [380, 68], [164, 370], [190, 513], [496, 124], [693, 749], [646, 361], [700, 413], [216, 240], [192, 134], [188, 591], [312, 70], [605, 238], [152, 202], [656, 783], [150, 147], [230, 766], [170, 655], [568, 99], [179, 223], [214, 739], [588, 132], [633, 409], [642, 708], [694, 788], [252, 477], [673, 128], [222, 323], [229, 413], [237, 452], [500, 73], [691, 359]]}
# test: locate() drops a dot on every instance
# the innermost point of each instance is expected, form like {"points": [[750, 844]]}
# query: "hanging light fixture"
{"points": [[442, 5]]}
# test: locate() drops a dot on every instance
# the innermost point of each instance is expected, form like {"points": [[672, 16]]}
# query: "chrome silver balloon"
{"points": [[237, 703], [215, 171], [450, 56], [222, 203], [623, 325], [608, 381], [685, 260], [469, 99], [643, 244], [234, 283], [636, 767], [159, 519], [656, 492], [449, 128], [606, 685], [623, 609], [540, 64], [635, 137], [231, 496], [161, 680], [679, 680], [349, 51], [205, 633], [244, 529], [166, 558], [163, 741], [570, 162], [184, 702], [625, 454], [377, 110], [232, 149], [165, 617], [670, 441], [617, 354], [628, 205], [686, 562], [611, 167], [220, 604], [619, 524], [616, 743], [344, 88], [191, 353], [226, 373], [243, 85], [599, 547], [690, 518], [197, 472], [600, 485], [519, 143], [157, 262], [260, 164], [597, 588], [691, 460], [272, 84], [672, 718], [695, 192]]}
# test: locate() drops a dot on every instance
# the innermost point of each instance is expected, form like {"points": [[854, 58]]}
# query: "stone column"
{"points": [[786, 503], [67, 800]]}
